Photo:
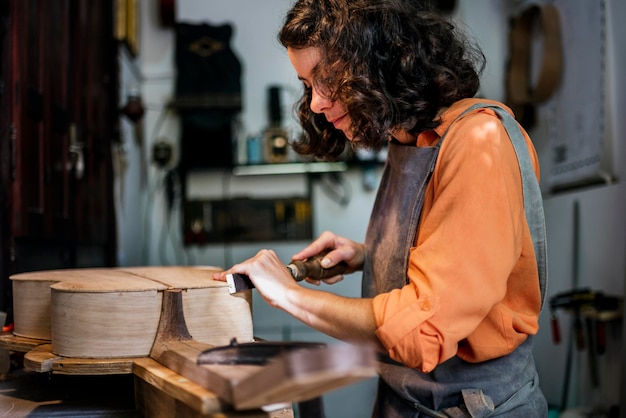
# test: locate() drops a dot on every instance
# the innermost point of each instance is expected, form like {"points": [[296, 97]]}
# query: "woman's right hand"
{"points": [[337, 249]]}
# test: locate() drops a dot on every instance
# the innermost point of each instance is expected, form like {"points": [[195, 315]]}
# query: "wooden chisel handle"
{"points": [[299, 270]]}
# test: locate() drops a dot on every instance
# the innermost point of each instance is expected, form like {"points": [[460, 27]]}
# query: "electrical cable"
{"points": [[172, 200], [226, 195], [148, 205], [149, 196], [176, 237]]}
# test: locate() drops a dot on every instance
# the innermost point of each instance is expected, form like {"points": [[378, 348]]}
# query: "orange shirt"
{"points": [[474, 287]]}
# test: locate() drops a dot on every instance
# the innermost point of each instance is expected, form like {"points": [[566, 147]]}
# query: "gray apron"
{"points": [[506, 385]]}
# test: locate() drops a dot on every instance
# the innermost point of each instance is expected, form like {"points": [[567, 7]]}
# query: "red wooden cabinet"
{"points": [[58, 121]]}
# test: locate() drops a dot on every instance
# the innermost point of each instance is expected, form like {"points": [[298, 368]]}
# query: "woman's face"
{"points": [[304, 61]]}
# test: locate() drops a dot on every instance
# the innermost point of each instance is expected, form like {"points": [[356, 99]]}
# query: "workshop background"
{"points": [[185, 195], [586, 224]]}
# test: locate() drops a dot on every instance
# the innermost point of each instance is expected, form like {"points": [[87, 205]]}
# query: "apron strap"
{"points": [[533, 201]]}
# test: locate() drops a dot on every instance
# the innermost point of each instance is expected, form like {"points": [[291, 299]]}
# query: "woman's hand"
{"points": [[337, 249], [347, 319], [268, 273]]}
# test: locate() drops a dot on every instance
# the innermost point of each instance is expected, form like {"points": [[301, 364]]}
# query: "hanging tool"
{"points": [[299, 270], [587, 308], [573, 300], [588, 304]]}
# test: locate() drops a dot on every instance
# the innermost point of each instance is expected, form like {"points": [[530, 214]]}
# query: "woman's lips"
{"points": [[337, 121]]}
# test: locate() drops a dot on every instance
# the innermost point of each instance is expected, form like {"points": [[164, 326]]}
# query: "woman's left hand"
{"points": [[268, 273]]}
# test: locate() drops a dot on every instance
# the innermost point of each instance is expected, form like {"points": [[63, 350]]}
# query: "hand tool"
{"points": [[256, 353], [587, 308], [299, 270]]}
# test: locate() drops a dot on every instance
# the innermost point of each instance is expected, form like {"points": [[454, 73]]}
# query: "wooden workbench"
{"points": [[125, 387]]}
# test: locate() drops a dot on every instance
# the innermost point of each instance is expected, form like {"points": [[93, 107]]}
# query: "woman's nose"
{"points": [[319, 102]]}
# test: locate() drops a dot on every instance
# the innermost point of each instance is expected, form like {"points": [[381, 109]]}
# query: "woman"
{"points": [[454, 257]]}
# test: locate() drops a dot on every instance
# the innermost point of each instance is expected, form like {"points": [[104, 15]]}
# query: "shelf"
{"points": [[289, 168]]}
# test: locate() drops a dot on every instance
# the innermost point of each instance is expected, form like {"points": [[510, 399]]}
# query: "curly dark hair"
{"points": [[393, 64]]}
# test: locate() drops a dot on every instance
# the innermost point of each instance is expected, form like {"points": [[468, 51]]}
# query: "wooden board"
{"points": [[20, 344], [305, 374], [42, 359], [178, 387], [295, 376], [292, 377], [163, 393]]}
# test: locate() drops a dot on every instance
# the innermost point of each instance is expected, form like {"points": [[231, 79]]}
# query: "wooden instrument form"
{"points": [[107, 313]]}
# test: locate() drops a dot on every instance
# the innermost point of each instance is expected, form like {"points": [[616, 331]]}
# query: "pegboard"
{"points": [[574, 118]]}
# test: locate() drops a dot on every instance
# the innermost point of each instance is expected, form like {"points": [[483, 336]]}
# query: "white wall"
{"points": [[157, 240], [598, 263], [254, 41]]}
